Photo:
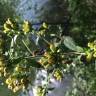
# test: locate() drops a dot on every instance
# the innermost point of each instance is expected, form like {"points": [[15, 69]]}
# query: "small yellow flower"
{"points": [[58, 75], [94, 55], [2, 63], [89, 57], [94, 47], [22, 81], [91, 45], [5, 74], [10, 87], [40, 91], [8, 81], [23, 87], [9, 22], [51, 60], [41, 32], [43, 60], [1, 69], [15, 90], [47, 54], [45, 25], [8, 25], [26, 26], [17, 68]]}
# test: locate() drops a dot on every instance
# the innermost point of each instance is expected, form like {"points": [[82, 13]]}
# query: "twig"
{"points": [[77, 53], [27, 47]]}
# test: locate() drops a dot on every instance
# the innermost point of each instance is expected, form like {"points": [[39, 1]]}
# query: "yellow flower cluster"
{"points": [[9, 25], [48, 60], [40, 91], [16, 84], [91, 52], [92, 46], [50, 57], [18, 81], [42, 30], [58, 75], [26, 26]]}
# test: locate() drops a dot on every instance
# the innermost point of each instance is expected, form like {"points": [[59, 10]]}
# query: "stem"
{"points": [[27, 57], [46, 41], [77, 53], [27, 47], [48, 79]]}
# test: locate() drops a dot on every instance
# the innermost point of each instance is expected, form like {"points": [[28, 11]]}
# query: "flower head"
{"points": [[9, 25], [26, 26]]}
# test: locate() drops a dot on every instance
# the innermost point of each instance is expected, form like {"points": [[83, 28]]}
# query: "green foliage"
{"points": [[58, 54], [69, 43], [6, 10]]}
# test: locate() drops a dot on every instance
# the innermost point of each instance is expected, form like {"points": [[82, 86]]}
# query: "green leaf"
{"points": [[33, 63], [69, 43], [79, 49], [16, 61]]}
